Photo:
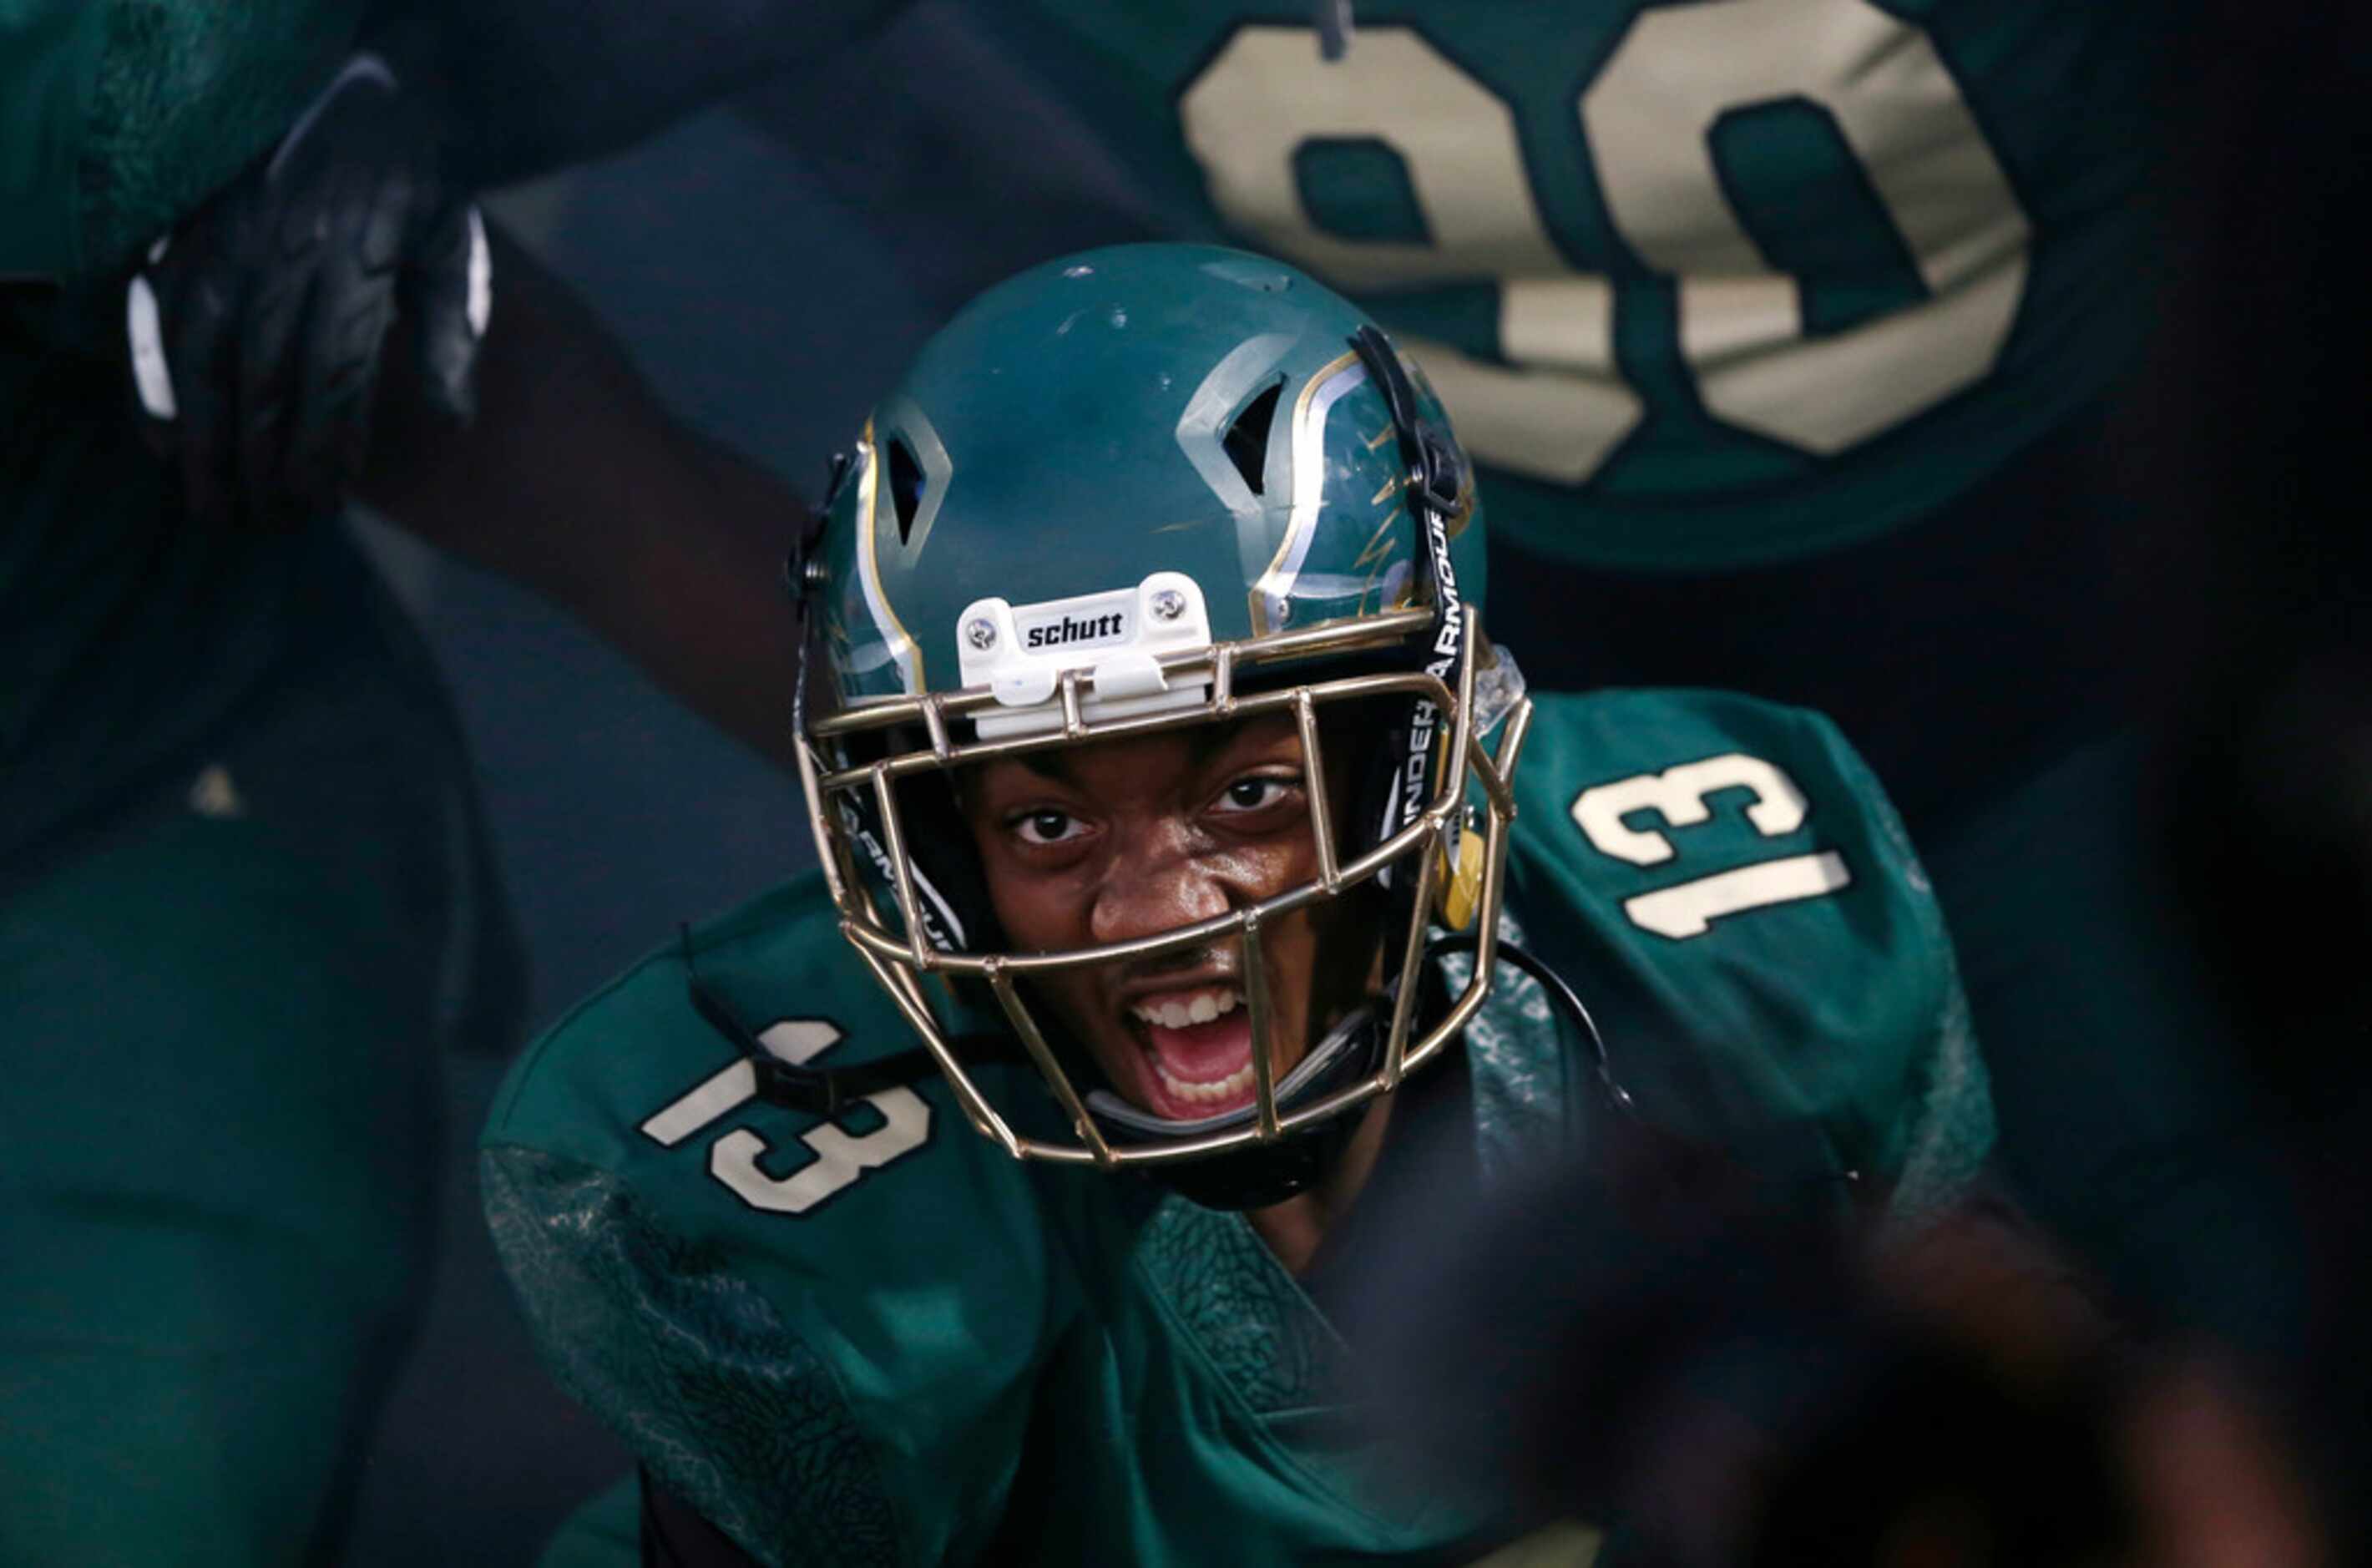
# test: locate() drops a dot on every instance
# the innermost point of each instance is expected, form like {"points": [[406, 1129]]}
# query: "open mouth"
{"points": [[1197, 1044]]}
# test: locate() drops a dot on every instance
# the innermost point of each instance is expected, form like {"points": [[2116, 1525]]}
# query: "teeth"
{"points": [[1234, 1083], [1202, 1008]]}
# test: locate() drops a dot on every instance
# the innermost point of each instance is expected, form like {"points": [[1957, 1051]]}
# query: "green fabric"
{"points": [[188, 95], [943, 1344], [48, 53], [1862, 1055], [117, 118], [223, 1020], [1444, 167]]}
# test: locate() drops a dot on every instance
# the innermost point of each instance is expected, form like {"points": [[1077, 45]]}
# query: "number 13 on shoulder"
{"points": [[1677, 797]]}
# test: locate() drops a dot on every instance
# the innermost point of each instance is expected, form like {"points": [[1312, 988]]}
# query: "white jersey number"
{"points": [[1561, 404], [839, 1156], [1677, 797]]}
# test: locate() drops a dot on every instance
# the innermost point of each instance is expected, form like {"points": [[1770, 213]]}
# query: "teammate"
{"points": [[241, 871], [1167, 782], [243, 895]]}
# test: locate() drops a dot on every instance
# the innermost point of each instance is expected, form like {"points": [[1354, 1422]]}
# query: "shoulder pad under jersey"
{"points": [[1726, 885], [814, 1330]]}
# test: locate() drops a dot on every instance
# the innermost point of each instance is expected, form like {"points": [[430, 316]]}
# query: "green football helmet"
{"points": [[1134, 490]]}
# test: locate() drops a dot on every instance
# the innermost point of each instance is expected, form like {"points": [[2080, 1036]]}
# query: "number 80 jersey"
{"points": [[1704, 283], [874, 1337]]}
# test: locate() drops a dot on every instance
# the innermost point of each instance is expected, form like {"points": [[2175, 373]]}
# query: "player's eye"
{"points": [[1256, 791], [1046, 827]]}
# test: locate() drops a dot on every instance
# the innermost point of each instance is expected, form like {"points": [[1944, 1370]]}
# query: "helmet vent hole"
{"points": [[1246, 438], [905, 486]]}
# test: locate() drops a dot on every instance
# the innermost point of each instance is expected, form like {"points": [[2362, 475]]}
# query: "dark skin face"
{"points": [[1132, 838]]}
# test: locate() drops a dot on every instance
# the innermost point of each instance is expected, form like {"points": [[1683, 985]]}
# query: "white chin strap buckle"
{"points": [[1022, 652]]}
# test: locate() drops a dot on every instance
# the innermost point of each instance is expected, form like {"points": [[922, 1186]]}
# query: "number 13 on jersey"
{"points": [[1680, 797]]}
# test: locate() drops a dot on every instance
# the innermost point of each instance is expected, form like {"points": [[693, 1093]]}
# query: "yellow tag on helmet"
{"points": [[1461, 885]]}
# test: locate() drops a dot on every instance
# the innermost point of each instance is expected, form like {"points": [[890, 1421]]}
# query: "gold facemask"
{"points": [[1458, 878]]}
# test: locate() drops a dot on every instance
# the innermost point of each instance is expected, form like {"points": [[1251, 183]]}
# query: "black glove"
{"points": [[1687, 1344], [259, 328]]}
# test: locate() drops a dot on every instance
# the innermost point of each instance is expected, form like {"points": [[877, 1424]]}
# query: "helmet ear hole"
{"points": [[1247, 437], [905, 486]]}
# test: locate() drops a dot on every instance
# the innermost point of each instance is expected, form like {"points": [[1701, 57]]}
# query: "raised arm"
{"points": [[573, 482], [271, 285]]}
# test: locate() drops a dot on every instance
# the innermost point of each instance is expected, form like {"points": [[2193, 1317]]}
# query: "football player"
{"points": [[1169, 785], [1789, 332]]}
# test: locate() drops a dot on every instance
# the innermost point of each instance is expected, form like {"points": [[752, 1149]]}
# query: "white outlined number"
{"points": [[1559, 405], [839, 1156], [1678, 795]]}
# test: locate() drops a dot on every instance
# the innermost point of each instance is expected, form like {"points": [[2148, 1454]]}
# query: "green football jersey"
{"points": [[1703, 285], [879, 1339], [117, 116]]}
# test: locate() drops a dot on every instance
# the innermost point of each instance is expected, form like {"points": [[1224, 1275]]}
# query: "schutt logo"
{"points": [[1070, 629]]}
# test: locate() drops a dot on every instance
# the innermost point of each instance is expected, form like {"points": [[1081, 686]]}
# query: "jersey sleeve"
{"points": [[117, 119], [820, 1335], [671, 1353], [47, 53], [1754, 933]]}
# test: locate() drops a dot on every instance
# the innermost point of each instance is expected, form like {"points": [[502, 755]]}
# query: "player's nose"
{"points": [[1154, 882]]}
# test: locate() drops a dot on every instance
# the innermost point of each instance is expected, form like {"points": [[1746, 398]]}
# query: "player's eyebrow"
{"points": [[1211, 739], [1054, 765], [1203, 743]]}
